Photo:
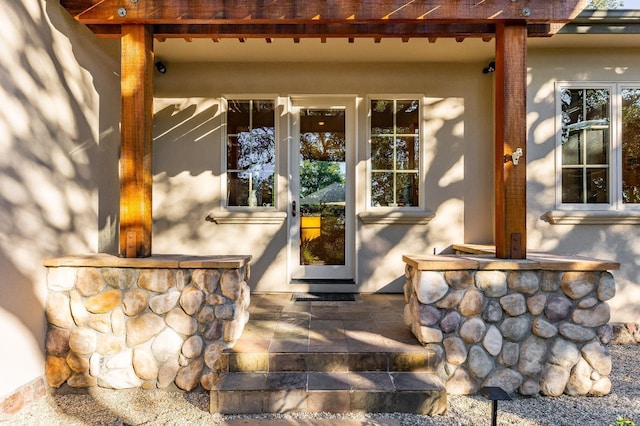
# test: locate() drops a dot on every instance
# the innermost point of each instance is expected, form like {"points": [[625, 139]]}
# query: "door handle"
{"points": [[293, 209]]}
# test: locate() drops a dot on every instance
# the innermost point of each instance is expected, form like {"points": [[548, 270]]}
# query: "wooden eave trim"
{"points": [[310, 11]]}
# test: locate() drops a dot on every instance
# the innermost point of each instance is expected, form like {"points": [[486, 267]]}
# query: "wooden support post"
{"points": [[510, 134], [136, 140]]}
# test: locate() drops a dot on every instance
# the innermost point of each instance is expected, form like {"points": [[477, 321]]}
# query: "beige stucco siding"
{"points": [[457, 144], [616, 242]]}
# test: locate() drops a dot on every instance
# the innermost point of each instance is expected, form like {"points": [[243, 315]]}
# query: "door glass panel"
{"points": [[322, 187]]}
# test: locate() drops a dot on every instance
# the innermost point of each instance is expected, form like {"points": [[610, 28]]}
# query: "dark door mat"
{"points": [[323, 297]]}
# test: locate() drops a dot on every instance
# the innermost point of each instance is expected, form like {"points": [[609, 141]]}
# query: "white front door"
{"points": [[322, 215]]}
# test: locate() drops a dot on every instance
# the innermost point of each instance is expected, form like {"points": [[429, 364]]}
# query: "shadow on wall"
{"points": [[57, 157]]}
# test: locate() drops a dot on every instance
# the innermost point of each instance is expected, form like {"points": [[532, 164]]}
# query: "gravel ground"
{"points": [[136, 407]]}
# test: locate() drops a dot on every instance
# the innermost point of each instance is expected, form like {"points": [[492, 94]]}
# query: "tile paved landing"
{"points": [[328, 356]]}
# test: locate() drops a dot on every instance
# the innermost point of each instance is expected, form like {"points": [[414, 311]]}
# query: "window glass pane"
{"points": [[631, 145], [597, 186], [407, 120], [381, 189], [407, 153], [250, 152], [571, 149], [572, 186], [597, 105], [597, 146], [381, 116], [381, 153], [407, 189]]}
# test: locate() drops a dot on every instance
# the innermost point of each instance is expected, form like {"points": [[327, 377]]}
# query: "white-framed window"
{"points": [[250, 152], [598, 146], [394, 178]]}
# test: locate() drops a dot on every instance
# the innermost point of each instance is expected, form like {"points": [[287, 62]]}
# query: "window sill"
{"points": [[396, 218], [257, 217], [559, 217]]}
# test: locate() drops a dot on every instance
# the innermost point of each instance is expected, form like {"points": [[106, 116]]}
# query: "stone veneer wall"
{"points": [[143, 323], [532, 331]]}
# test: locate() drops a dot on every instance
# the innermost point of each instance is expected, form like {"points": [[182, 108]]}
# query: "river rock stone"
{"points": [[601, 387], [166, 345], [215, 331], [544, 329], [57, 341], [157, 280], [206, 315], [554, 380], [191, 300], [492, 312], [105, 302], [209, 380], [192, 347], [526, 282], [206, 279], [529, 388], [167, 372], [212, 356], [58, 311], [56, 371], [577, 285], [83, 341], [450, 322], [492, 341], [143, 328], [598, 356], [459, 280], [576, 333], [100, 322], [587, 302], [229, 312], [89, 282], [232, 330], [461, 383], [231, 283], [77, 363], [188, 377], [510, 354], [479, 363], [605, 334], [472, 330], [504, 378], [427, 315], [109, 344], [121, 378], [472, 303], [532, 356], [216, 299], [163, 303], [82, 380], [558, 308], [492, 283], [606, 286], [536, 304], [118, 322], [514, 304], [429, 287], [121, 278], [144, 364], [178, 320], [579, 383], [550, 281], [455, 350], [61, 279], [134, 302], [515, 328], [563, 353], [451, 300], [593, 317]]}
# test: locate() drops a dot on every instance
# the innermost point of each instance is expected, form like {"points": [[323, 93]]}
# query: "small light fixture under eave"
{"points": [[161, 67], [491, 67]]}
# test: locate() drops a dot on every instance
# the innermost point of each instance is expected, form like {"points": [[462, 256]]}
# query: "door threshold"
{"points": [[324, 281], [323, 297]]}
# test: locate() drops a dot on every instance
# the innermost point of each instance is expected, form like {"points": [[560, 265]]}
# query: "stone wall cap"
{"points": [[439, 262], [171, 261]]}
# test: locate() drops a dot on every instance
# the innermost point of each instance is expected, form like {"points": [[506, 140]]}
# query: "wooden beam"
{"points": [[510, 135], [136, 173], [299, 11]]}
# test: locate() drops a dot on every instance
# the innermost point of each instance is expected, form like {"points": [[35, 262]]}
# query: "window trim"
{"points": [[278, 105]]}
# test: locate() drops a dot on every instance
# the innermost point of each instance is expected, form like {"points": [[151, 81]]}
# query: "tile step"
{"points": [[288, 392], [419, 361]]}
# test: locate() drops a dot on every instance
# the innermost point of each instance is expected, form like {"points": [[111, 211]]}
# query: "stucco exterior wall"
{"points": [[188, 138], [615, 242], [58, 166]]}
